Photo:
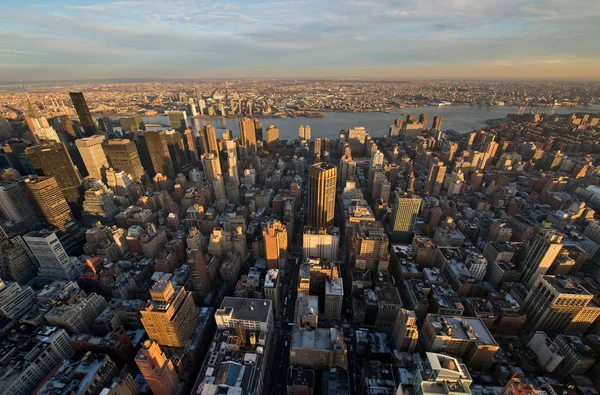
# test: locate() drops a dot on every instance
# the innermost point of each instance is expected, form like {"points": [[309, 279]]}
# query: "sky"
{"points": [[45, 40]]}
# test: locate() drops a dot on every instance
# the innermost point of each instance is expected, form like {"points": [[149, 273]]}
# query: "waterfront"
{"points": [[462, 119]]}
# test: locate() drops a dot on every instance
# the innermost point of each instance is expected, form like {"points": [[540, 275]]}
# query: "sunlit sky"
{"points": [[70, 40]]}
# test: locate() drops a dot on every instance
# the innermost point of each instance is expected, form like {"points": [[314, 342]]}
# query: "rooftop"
{"points": [[245, 309], [462, 328]]}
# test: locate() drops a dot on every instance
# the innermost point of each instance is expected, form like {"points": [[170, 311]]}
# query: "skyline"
{"points": [[101, 40]]}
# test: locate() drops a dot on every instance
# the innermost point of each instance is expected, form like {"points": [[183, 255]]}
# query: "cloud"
{"points": [[245, 37]]}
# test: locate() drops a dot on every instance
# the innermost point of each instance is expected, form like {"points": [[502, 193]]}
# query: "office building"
{"points": [[404, 216], [440, 374], [369, 246], [14, 299], [304, 132], [158, 150], [318, 348], [54, 262], [437, 122], [553, 304], [321, 243], [272, 288], [272, 137], [435, 178], [199, 271], [177, 120], [14, 204], [321, 195], [123, 155], [78, 315], [460, 337], [347, 170], [83, 113], [251, 314], [578, 357], [88, 375], [177, 150], [208, 140], [33, 359], [406, 332], [248, 134], [40, 129], [158, 371], [48, 197], [16, 261], [211, 167], [334, 295], [51, 159], [170, 316], [541, 254], [92, 154], [276, 244], [132, 124]]}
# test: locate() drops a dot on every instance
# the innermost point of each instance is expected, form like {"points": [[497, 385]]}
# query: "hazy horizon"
{"points": [[72, 40]]}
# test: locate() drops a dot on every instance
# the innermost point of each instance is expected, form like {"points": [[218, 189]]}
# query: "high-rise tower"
{"points": [[158, 371], [276, 243], [437, 122], [540, 256], [14, 204], [177, 120], [208, 139], [211, 166], [83, 112], [158, 150], [93, 156], [435, 179], [51, 159], [50, 200], [123, 155], [248, 134], [321, 194], [403, 218], [170, 317]]}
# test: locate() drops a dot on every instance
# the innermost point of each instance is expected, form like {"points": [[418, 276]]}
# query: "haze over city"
{"points": [[77, 40]]}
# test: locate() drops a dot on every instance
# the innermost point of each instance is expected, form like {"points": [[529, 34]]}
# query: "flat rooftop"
{"points": [[246, 309], [462, 328]]}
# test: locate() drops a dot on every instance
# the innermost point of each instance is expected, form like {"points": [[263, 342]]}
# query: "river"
{"points": [[462, 119]]}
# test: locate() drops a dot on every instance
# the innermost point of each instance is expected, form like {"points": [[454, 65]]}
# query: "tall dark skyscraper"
{"points": [[423, 119], [83, 112], [123, 155], [321, 194], [51, 159], [176, 150], [403, 218], [158, 150], [46, 193]]}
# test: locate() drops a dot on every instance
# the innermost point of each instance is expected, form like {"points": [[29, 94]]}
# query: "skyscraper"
{"points": [[93, 156], [131, 124], [321, 194], [258, 129], [403, 218], [158, 150], [211, 166], [347, 170], [189, 141], [158, 371], [14, 204], [123, 155], [40, 129], [437, 122], [176, 150], [304, 132], [554, 302], [248, 134], [50, 200], [178, 120], [435, 179], [540, 256], [83, 112], [272, 134], [170, 316], [423, 120], [208, 138], [54, 262], [51, 159], [276, 243]]}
